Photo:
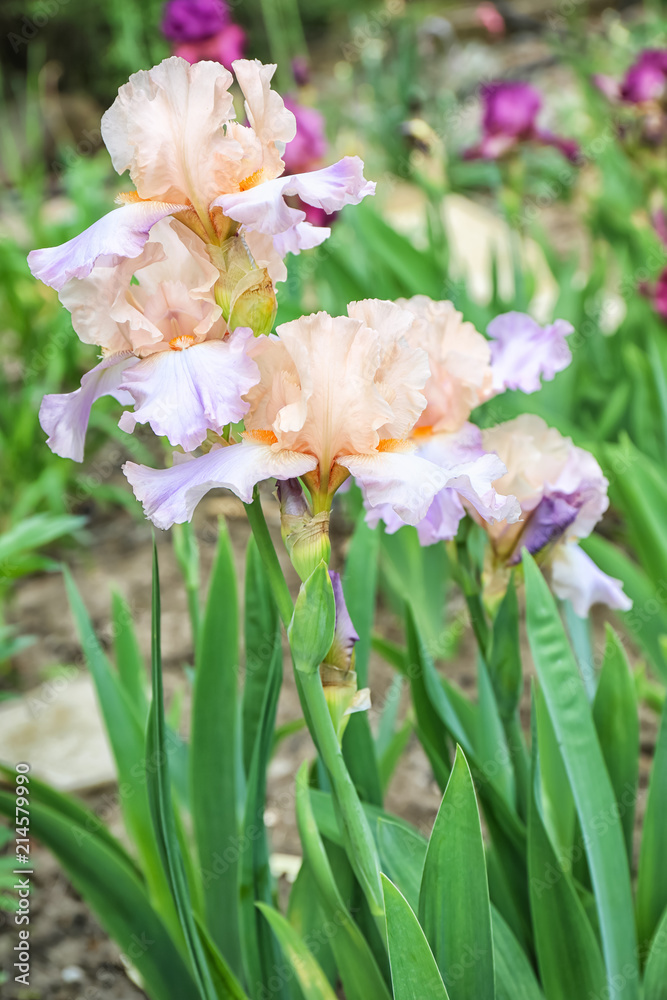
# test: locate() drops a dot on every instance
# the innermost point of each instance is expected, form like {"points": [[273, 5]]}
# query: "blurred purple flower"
{"points": [[192, 20], [523, 352], [300, 70], [306, 152], [645, 80], [225, 47], [490, 18], [203, 29], [510, 117], [309, 145]]}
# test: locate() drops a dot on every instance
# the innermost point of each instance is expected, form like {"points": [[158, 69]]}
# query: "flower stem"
{"points": [[357, 837], [354, 825], [272, 565]]}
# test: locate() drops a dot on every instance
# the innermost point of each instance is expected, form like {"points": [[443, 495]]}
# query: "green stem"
{"points": [[270, 559], [354, 825], [357, 836]]}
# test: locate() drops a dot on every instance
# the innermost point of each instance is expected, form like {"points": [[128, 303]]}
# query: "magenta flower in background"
{"points": [[490, 18], [225, 47], [309, 146], [510, 117], [306, 152], [203, 30], [644, 81], [192, 20], [300, 71]]}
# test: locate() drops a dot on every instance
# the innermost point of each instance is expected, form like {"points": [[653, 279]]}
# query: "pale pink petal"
{"points": [[576, 578], [267, 115], [184, 394], [264, 209], [65, 417], [404, 481], [403, 365], [121, 233], [459, 359], [97, 303], [167, 128], [523, 352], [169, 496]]}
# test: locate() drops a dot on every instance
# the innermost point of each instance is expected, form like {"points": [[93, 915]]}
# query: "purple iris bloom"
{"points": [[645, 80], [191, 20], [510, 117]]}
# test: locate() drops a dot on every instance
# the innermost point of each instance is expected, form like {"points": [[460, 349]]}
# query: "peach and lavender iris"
{"points": [[337, 396], [174, 128], [562, 493], [166, 347], [203, 29], [510, 117], [523, 352], [466, 371]]}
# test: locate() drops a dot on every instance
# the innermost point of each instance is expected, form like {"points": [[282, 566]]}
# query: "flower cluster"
{"points": [[172, 285], [177, 289]]}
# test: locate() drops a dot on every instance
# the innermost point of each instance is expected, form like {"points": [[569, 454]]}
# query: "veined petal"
{"points": [[267, 115], [404, 481], [119, 234], [65, 417], [166, 128], [184, 394], [470, 474], [169, 496], [576, 578], [263, 207], [522, 351]]}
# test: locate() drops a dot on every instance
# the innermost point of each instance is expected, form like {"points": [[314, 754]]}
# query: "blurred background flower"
{"points": [[203, 29]]}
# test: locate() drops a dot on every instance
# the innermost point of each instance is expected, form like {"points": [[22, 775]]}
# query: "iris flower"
{"points": [[166, 348], [174, 128], [563, 494], [466, 371], [337, 396]]}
